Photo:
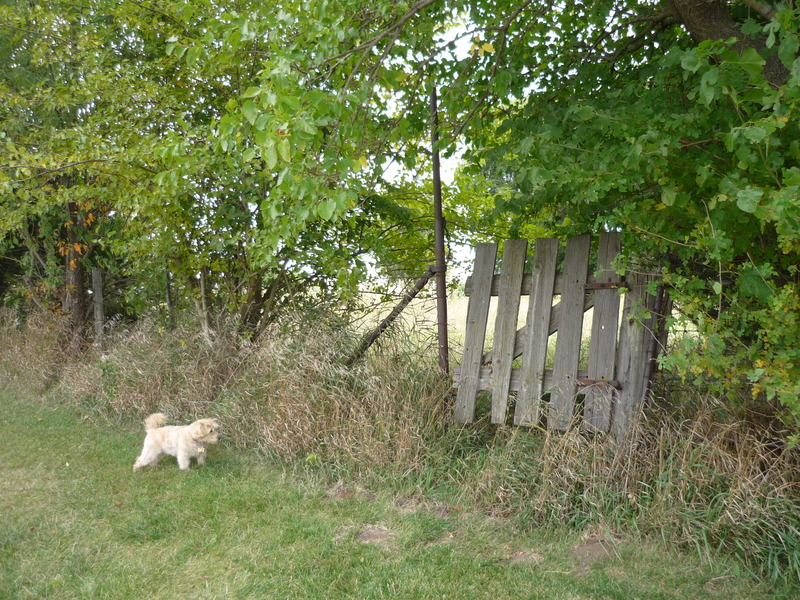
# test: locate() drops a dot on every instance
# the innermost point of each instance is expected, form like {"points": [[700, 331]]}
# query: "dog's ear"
{"points": [[202, 428], [198, 430]]}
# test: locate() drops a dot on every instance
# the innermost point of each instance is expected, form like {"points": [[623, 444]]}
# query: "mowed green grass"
{"points": [[75, 522]]}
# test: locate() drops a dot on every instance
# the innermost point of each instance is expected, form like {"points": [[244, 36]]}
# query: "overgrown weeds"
{"points": [[32, 353], [704, 480]]}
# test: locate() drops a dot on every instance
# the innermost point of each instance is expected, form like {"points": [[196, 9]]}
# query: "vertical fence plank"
{"points": [[568, 343], [603, 344], [475, 335], [534, 352], [635, 335], [506, 325]]}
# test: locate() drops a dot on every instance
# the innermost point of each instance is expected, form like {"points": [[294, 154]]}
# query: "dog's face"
{"points": [[205, 431]]}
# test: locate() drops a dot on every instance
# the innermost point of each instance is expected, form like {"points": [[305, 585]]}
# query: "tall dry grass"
{"points": [[714, 486], [289, 396], [32, 349], [704, 479]]}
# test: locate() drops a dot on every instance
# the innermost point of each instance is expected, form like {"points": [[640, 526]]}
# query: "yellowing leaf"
{"points": [[363, 161], [483, 48]]}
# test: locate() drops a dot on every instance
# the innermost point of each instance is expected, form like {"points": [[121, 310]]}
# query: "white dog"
{"points": [[183, 442]]}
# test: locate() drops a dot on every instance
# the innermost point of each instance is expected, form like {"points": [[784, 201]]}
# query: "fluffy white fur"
{"points": [[184, 442]]}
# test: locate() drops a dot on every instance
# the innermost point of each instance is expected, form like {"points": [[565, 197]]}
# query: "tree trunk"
{"points": [[204, 305], [99, 308], [171, 310], [74, 303], [250, 312], [710, 20]]}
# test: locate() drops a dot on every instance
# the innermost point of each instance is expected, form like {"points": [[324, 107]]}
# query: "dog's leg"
{"points": [[148, 457], [183, 460]]}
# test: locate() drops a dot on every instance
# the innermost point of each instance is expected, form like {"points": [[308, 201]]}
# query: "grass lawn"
{"points": [[75, 522]]}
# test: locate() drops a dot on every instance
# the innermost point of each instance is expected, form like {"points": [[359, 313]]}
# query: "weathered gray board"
{"points": [[636, 333], [506, 324], [614, 384], [534, 350], [475, 334], [568, 342], [603, 345]]}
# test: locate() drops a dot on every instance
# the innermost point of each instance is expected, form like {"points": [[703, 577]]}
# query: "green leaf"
{"points": [[752, 284], [270, 157], [749, 60], [708, 88], [250, 111], [748, 198], [755, 133], [284, 150], [260, 137], [191, 56], [326, 209], [668, 195], [791, 177], [251, 92], [690, 61], [751, 28], [787, 51]]}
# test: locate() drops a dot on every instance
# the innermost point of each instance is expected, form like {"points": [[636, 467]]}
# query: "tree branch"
{"points": [[369, 44], [766, 11], [710, 20]]}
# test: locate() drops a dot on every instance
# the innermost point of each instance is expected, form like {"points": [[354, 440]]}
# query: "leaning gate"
{"points": [[621, 349]]}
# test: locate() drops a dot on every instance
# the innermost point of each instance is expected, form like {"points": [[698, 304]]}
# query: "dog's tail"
{"points": [[154, 421]]}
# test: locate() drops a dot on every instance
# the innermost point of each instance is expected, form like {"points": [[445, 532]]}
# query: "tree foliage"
{"points": [[252, 149]]}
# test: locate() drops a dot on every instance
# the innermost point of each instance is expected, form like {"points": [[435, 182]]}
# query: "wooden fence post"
{"points": [[635, 335]]}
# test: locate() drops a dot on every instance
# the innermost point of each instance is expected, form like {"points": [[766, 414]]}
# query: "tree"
{"points": [[247, 141], [673, 121], [687, 143], [125, 149]]}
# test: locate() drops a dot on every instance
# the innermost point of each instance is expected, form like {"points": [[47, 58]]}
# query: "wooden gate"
{"points": [[616, 377]]}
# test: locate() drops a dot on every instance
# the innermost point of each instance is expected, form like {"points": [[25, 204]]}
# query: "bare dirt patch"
{"points": [[594, 548], [410, 505], [341, 491], [377, 535], [373, 534]]}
